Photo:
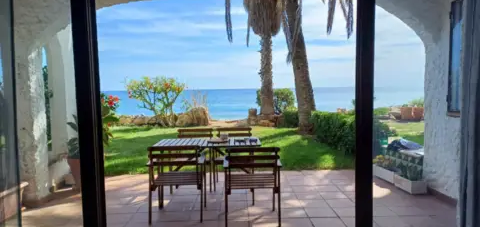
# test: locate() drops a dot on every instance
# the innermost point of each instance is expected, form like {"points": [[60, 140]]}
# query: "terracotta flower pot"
{"points": [[417, 113], [74, 164], [406, 113]]}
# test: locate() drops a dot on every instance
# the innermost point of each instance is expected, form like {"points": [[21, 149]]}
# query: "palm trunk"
{"points": [[266, 75], [303, 85]]}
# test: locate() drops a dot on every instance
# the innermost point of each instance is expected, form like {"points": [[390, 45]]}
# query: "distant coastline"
{"points": [[233, 104]]}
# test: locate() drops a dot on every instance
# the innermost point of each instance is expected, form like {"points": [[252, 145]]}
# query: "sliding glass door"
{"points": [[9, 175], [50, 170]]}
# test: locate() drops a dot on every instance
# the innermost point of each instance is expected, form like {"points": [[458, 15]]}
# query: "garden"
{"points": [[329, 145]]}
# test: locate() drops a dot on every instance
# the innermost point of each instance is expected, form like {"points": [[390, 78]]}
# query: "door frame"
{"points": [[364, 87], [85, 47], [87, 83]]}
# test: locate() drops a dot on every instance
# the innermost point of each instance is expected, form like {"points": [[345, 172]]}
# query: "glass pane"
{"points": [[9, 184], [46, 110], [416, 177], [456, 51]]}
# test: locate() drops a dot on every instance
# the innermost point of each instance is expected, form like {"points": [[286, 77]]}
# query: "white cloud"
{"points": [[234, 11], [130, 13], [204, 59]]}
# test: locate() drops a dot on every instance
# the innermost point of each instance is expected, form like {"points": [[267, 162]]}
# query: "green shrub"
{"points": [[290, 118], [334, 129], [48, 93], [381, 111], [157, 94], [416, 102], [338, 130], [283, 98]]}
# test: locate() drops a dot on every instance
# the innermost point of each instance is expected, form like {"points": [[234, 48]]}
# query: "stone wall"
{"points": [[196, 117]]}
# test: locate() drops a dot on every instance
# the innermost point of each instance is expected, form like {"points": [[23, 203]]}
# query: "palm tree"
{"points": [[298, 56], [292, 27], [264, 18], [290, 11]]}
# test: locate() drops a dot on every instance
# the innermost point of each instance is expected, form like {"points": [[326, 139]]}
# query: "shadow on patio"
{"points": [[309, 198]]}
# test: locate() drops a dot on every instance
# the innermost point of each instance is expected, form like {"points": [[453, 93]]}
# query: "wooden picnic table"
{"points": [[203, 143]]}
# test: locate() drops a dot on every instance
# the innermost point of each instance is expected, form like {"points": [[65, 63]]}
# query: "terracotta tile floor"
{"points": [[309, 198]]}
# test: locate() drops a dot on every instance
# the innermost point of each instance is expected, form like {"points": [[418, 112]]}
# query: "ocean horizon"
{"points": [[233, 104]]}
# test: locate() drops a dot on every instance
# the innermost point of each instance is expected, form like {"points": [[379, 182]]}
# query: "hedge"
{"points": [[289, 118], [338, 130]]}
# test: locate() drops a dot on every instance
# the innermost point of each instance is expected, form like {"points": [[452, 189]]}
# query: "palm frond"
{"points": [[288, 35], [228, 20], [350, 18], [347, 10], [248, 29], [331, 15]]}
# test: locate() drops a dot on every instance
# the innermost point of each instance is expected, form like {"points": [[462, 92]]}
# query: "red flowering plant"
{"points": [[157, 94], [110, 104]]}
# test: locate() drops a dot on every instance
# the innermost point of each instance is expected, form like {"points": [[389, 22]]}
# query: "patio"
{"points": [[309, 198]]}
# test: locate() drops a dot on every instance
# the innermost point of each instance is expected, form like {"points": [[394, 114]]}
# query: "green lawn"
{"points": [[127, 153], [412, 131]]}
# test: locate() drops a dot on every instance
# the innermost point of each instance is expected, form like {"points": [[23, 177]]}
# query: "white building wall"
{"points": [[62, 82], [31, 123], [430, 21], [63, 103], [442, 132]]}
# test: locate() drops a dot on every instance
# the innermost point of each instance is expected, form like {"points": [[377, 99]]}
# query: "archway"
{"points": [[428, 18]]}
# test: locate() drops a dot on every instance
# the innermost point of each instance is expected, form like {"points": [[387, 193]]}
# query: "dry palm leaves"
{"points": [[266, 16]]}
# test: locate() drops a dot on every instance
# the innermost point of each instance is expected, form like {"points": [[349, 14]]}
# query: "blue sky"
{"points": [[186, 39]]}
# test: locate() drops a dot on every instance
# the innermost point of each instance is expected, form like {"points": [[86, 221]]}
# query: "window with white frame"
{"points": [[456, 22]]}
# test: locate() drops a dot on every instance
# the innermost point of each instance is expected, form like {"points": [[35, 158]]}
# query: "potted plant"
{"points": [[73, 157], [109, 106], [410, 179], [108, 118], [383, 168]]}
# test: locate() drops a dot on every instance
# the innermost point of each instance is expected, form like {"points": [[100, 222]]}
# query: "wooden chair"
{"points": [[232, 132], [265, 158], [235, 131], [183, 156], [195, 133], [198, 133]]}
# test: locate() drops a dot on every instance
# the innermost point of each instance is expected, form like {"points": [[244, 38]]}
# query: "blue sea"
{"points": [[233, 104]]}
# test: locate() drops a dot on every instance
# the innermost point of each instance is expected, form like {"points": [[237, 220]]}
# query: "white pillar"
{"points": [[31, 123], [62, 83]]}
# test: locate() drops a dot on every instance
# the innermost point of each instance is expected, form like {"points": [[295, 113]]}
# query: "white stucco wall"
{"points": [[31, 123], [36, 24], [62, 105], [442, 133], [62, 83], [430, 21]]}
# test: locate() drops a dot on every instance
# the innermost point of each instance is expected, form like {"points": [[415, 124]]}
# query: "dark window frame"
{"points": [[87, 85], [364, 86], [456, 7]]}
